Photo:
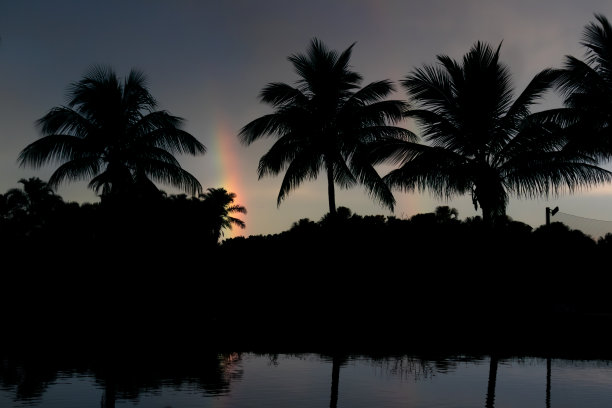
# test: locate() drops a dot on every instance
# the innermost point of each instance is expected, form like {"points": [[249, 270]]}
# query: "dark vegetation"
{"points": [[141, 287], [142, 270], [157, 273], [431, 281]]}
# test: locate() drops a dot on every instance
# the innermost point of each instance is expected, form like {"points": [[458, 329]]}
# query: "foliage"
{"points": [[111, 134], [326, 122], [586, 87], [143, 233], [481, 141], [219, 205]]}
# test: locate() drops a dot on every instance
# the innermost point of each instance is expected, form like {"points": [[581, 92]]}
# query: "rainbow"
{"points": [[224, 148]]}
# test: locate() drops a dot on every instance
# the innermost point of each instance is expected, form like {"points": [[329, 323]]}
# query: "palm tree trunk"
{"points": [[486, 216], [331, 192]]}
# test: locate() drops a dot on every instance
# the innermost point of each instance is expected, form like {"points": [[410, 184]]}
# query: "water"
{"points": [[309, 380]]}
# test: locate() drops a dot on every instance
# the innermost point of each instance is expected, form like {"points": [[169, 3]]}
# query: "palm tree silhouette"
{"points": [[14, 204], [219, 204], [31, 206], [326, 123], [445, 213], [39, 196], [480, 140], [586, 86], [111, 133]]}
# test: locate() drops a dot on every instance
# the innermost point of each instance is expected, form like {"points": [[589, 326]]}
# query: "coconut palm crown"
{"points": [[586, 86], [481, 141], [326, 122], [111, 134], [221, 207]]}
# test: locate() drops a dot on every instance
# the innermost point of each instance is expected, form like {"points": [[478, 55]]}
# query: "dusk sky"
{"points": [[207, 61]]}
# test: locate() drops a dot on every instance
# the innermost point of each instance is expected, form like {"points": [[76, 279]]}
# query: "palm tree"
{"points": [[326, 123], [480, 140], [31, 206], [111, 133], [445, 213], [219, 205], [586, 87], [14, 205]]}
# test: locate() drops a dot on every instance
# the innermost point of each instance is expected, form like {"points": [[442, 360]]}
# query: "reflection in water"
{"points": [[302, 380], [416, 368], [490, 400], [336, 361], [120, 376], [548, 373]]}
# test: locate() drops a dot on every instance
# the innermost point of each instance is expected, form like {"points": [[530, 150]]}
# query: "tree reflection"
{"points": [[548, 380], [336, 362], [338, 359], [122, 376], [490, 401], [418, 368]]}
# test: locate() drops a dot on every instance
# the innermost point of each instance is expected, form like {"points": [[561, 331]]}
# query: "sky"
{"points": [[207, 61]]}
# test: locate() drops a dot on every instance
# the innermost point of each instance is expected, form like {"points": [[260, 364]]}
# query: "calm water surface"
{"points": [[313, 380]]}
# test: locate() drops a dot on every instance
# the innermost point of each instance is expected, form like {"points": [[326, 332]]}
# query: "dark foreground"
{"points": [[300, 312], [370, 288], [139, 315]]}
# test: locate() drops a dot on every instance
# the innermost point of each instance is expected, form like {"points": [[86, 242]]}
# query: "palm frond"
{"points": [[441, 131], [373, 114], [597, 38], [554, 173], [541, 83], [361, 166], [235, 222], [430, 88], [577, 76], [279, 94], [433, 169], [298, 170], [372, 92], [63, 120], [236, 209], [163, 130], [285, 150], [342, 173], [81, 168], [171, 174], [394, 151], [50, 149]]}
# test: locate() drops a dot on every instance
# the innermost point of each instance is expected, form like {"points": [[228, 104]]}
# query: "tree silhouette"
{"points": [[326, 123], [586, 86], [482, 142], [14, 205], [219, 206], [39, 196], [444, 213], [30, 208], [111, 133]]}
